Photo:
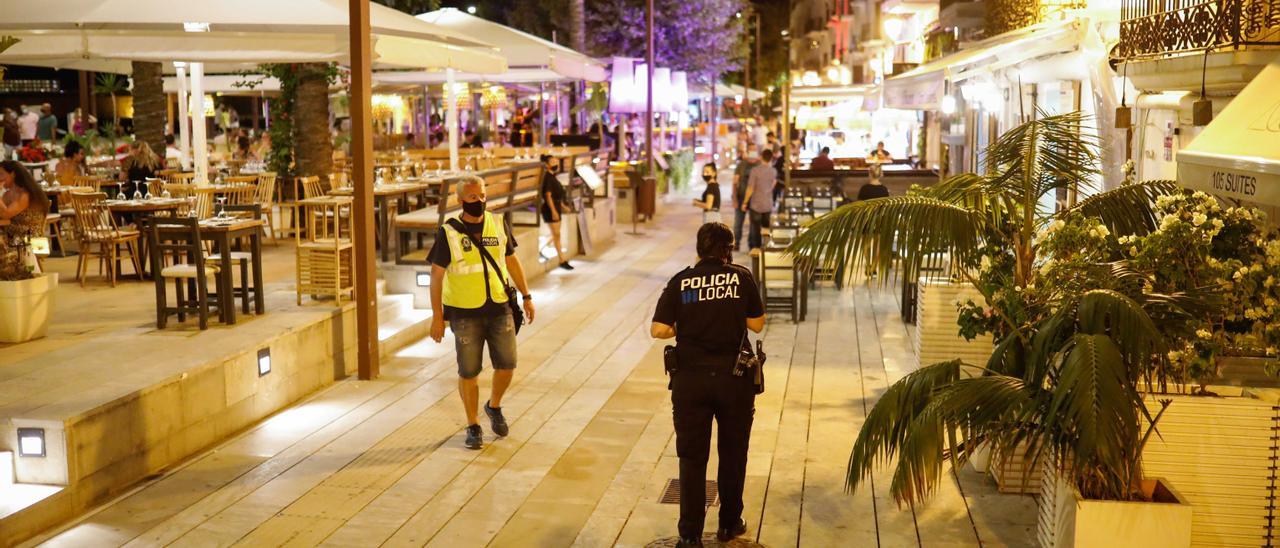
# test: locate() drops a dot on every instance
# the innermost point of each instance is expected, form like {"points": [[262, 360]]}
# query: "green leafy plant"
{"points": [[113, 85], [680, 172], [1077, 334]]}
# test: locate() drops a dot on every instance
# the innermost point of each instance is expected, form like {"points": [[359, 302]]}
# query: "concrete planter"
{"points": [[25, 308], [1165, 522]]}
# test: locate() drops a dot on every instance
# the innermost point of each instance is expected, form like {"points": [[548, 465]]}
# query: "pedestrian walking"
{"points": [[708, 309], [472, 259], [758, 201], [740, 177], [553, 203]]}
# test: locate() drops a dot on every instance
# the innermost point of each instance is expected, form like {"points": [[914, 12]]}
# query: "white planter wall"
{"points": [[937, 337]]}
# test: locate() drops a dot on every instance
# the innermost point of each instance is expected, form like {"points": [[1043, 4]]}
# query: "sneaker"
{"points": [[475, 437], [565, 265], [726, 534], [689, 543], [497, 422]]}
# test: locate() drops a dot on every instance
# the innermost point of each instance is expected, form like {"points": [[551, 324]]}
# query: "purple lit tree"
{"points": [[701, 37]]}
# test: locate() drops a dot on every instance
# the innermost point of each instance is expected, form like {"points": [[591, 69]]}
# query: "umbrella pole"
{"points": [[199, 142], [366, 298], [184, 117], [451, 117]]}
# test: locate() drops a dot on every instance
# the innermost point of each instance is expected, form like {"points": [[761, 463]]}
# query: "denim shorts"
{"points": [[470, 336]]}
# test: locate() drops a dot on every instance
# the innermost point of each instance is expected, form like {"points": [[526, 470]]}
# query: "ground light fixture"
{"points": [[195, 27], [31, 442], [471, 10], [264, 361], [423, 279]]}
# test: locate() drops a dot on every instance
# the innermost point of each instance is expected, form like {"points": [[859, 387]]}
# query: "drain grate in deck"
{"points": [[671, 495]]}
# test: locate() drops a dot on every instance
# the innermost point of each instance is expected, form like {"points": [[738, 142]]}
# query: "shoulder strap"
{"points": [[457, 225]]}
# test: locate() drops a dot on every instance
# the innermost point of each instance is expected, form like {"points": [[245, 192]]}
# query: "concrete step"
{"points": [[409, 327], [380, 287]]}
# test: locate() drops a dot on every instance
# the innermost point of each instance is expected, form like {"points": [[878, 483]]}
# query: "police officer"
{"points": [[708, 308]]}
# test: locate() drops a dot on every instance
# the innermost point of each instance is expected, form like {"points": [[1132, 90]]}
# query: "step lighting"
{"points": [[31, 442], [264, 361], [423, 279]]}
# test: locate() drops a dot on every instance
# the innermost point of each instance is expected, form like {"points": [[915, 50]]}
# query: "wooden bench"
{"points": [[509, 190]]}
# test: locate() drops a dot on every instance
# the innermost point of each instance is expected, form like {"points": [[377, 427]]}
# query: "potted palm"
{"points": [[26, 298], [1077, 332]]}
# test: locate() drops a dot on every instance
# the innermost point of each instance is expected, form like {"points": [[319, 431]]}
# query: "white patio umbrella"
{"points": [[529, 58], [105, 33]]}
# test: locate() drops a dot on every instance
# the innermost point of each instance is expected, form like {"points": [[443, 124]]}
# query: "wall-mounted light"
{"points": [[264, 361], [893, 27], [195, 27], [423, 279], [31, 442], [471, 10]]}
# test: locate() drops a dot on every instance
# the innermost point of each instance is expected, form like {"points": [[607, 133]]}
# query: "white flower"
{"points": [[1174, 355], [1199, 219], [1133, 250], [1217, 223], [1199, 195], [1204, 334], [985, 263]]}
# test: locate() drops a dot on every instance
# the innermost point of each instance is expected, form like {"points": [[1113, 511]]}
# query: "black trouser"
{"points": [[698, 394]]}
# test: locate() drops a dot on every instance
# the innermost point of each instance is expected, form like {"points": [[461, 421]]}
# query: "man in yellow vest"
{"points": [[469, 291]]}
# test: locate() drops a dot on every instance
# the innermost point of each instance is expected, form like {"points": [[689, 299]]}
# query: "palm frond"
{"points": [[1045, 154], [1108, 312], [1093, 415], [1128, 209], [874, 233], [891, 419], [985, 407]]}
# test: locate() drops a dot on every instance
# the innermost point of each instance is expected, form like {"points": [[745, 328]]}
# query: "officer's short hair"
{"points": [[715, 241], [766, 155], [466, 181]]}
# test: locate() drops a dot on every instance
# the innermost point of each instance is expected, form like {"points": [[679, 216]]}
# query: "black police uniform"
{"points": [[708, 304]]}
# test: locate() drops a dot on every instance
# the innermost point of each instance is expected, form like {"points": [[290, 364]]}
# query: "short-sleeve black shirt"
{"points": [[552, 184], [441, 256], [713, 192], [708, 304]]}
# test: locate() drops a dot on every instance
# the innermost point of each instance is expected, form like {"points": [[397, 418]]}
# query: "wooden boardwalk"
{"points": [[369, 463]]}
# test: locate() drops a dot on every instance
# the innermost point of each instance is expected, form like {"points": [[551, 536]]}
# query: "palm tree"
{"points": [[595, 106], [149, 109], [313, 145], [1063, 380], [113, 85]]}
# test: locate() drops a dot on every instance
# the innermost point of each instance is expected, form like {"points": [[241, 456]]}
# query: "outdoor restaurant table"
{"points": [[221, 232], [141, 212], [383, 194]]}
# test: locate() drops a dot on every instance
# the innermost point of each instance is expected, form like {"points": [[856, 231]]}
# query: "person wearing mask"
{"points": [[27, 125], [468, 290], [72, 164], [47, 126], [24, 205], [708, 309], [709, 202], [757, 203], [740, 177], [12, 135], [823, 162], [553, 198]]}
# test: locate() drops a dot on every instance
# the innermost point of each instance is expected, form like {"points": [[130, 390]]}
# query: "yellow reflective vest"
{"points": [[464, 280]]}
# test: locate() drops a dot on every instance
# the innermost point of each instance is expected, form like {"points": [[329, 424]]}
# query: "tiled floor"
{"points": [[591, 446]]}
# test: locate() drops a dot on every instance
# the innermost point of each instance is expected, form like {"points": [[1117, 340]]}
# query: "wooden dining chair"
{"points": [[264, 196], [241, 259], [179, 177], [96, 226], [176, 241], [325, 253], [205, 197]]}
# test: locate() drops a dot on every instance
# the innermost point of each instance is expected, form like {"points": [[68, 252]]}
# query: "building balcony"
{"points": [[1169, 28]]}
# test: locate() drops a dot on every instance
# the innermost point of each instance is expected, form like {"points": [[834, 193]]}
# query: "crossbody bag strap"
{"points": [[458, 226]]}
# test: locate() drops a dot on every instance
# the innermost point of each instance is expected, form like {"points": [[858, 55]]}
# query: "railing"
{"points": [[1155, 28]]}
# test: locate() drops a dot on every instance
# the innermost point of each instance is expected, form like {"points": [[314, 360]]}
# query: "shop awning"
{"points": [[1238, 154], [835, 94], [922, 88]]}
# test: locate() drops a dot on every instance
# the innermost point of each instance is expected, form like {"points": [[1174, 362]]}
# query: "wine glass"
{"points": [[166, 194], [137, 194], [120, 191], [222, 203]]}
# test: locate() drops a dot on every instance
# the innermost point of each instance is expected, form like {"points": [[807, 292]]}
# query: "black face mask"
{"points": [[708, 178], [474, 209]]}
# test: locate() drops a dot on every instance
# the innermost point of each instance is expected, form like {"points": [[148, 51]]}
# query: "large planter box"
{"points": [[937, 336], [1220, 454], [25, 308], [1163, 523]]}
